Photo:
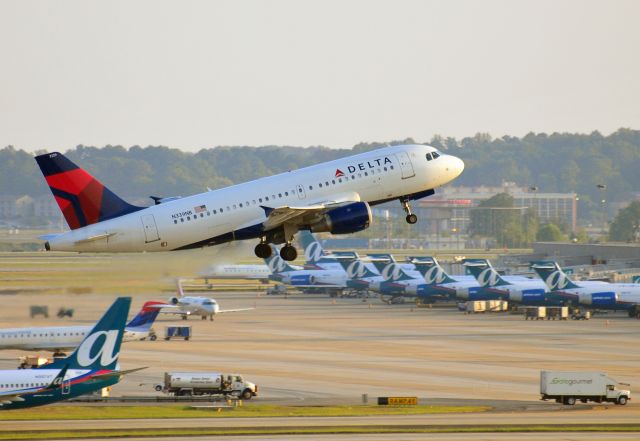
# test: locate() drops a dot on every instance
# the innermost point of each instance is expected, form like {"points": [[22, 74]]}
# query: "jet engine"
{"points": [[345, 219], [601, 299], [174, 300]]}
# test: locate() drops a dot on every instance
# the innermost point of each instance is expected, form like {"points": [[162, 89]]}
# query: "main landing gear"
{"points": [[263, 250], [288, 252], [411, 218]]}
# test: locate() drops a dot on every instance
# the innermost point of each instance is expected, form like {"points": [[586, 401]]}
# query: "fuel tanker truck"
{"points": [[207, 383]]}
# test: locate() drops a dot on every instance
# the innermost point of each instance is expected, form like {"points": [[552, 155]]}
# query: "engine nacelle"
{"points": [[601, 299], [174, 300], [302, 279], [346, 219]]}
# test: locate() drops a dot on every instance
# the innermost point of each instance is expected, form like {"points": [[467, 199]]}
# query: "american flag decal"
{"points": [[200, 209]]}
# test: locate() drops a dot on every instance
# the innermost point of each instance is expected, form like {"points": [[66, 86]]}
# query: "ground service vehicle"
{"points": [[567, 387], [207, 383]]}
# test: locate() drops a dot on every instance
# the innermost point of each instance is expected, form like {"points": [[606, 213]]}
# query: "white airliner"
{"points": [[59, 339], [194, 305], [334, 196], [236, 271]]}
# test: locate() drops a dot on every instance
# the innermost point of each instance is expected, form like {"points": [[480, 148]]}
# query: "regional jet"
{"points": [[59, 339], [334, 196], [186, 306], [91, 367]]}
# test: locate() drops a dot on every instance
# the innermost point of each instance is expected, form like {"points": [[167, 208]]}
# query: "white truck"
{"points": [[567, 387], [207, 383]]}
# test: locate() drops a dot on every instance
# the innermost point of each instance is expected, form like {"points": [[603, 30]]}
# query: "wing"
{"points": [[234, 310], [173, 309], [305, 214]]}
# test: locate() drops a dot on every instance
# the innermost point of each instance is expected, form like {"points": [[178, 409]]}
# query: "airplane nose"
{"points": [[455, 166]]}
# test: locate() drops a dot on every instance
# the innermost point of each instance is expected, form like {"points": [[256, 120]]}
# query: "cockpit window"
{"points": [[429, 158], [435, 155], [208, 302]]}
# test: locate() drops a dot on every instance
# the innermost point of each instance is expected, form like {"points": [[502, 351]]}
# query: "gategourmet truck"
{"points": [[567, 387], [207, 383]]}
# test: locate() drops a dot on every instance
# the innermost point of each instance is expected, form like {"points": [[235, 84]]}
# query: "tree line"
{"points": [[558, 162]]}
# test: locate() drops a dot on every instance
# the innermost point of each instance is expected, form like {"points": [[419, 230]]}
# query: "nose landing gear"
{"points": [[411, 218]]}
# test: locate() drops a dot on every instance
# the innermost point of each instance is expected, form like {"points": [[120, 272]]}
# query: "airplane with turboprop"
{"points": [[59, 339], [334, 196], [91, 367]]}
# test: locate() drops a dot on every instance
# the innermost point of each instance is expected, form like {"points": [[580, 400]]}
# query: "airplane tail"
{"points": [[394, 273], [431, 270], [101, 346], [485, 274], [147, 315], [276, 263], [380, 261], [82, 199], [552, 275], [313, 252], [356, 269]]}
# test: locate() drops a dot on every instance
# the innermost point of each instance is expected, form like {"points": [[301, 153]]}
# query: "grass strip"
{"points": [[120, 433], [260, 410]]}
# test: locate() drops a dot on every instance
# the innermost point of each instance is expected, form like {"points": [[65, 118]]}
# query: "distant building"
{"points": [[449, 209]]}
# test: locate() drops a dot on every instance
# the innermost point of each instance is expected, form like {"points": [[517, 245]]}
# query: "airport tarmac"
{"points": [[313, 350]]}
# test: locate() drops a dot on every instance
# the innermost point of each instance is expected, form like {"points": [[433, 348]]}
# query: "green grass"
{"points": [[117, 433], [160, 412]]}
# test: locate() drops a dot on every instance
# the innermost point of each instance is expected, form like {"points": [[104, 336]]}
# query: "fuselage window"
{"points": [[266, 198], [299, 190], [175, 221], [333, 181], [326, 183], [260, 200], [228, 208], [366, 174], [247, 203], [340, 180], [286, 193], [201, 214], [254, 202], [240, 204], [188, 217], [320, 185], [273, 196], [279, 195], [221, 210], [208, 213], [311, 187], [385, 169], [353, 177], [391, 167], [234, 206]]}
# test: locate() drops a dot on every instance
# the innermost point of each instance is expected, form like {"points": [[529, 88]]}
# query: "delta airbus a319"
{"points": [[334, 196]]}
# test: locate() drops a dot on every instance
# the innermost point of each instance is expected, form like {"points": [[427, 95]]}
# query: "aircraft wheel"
{"points": [[153, 337], [288, 253], [412, 218], [263, 250]]}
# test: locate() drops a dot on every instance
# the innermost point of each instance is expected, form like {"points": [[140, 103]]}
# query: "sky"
{"points": [[199, 74]]}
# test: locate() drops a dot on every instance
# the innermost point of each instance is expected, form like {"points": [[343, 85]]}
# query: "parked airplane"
{"points": [[360, 274], [519, 290], [317, 258], [92, 366], [334, 196], [437, 282], [588, 293], [236, 271], [194, 305], [316, 280], [59, 339]]}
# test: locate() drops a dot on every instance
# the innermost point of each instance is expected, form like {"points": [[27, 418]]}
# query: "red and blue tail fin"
{"points": [[147, 315], [82, 199]]}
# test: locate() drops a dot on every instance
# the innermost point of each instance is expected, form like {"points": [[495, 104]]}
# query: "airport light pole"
{"points": [[603, 206]]}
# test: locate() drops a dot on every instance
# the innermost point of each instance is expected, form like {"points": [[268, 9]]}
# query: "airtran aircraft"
{"points": [[334, 196], [594, 294], [59, 339], [92, 366]]}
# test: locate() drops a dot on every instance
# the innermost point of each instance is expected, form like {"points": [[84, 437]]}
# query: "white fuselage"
{"points": [[58, 338], [20, 380], [213, 217], [249, 272]]}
